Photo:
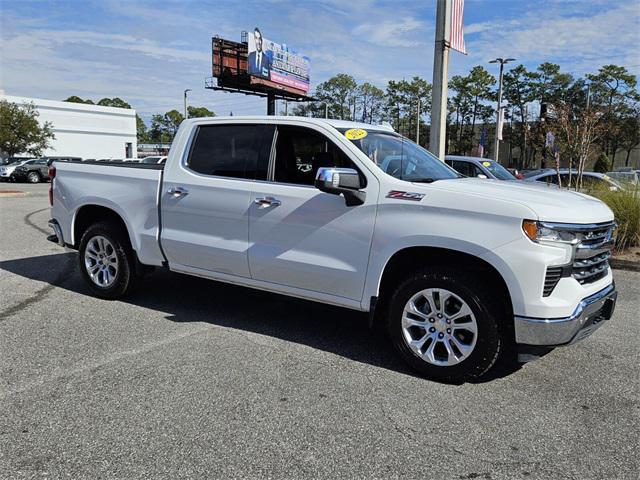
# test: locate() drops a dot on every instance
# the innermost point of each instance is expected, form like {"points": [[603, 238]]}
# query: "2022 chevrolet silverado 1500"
{"points": [[460, 270]]}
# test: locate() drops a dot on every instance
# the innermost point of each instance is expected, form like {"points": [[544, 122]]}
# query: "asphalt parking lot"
{"points": [[191, 378]]}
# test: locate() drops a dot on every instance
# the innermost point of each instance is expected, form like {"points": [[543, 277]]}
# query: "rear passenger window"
{"points": [[230, 150]]}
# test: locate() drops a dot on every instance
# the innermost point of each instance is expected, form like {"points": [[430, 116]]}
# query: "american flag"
{"points": [[456, 39]]}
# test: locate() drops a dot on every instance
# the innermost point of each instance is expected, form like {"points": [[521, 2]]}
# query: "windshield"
{"points": [[498, 170], [402, 158]]}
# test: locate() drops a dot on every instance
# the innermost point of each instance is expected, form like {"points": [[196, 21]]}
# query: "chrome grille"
{"points": [[591, 269], [591, 262]]}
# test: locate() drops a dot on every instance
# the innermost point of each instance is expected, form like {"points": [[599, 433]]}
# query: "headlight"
{"points": [[539, 232]]}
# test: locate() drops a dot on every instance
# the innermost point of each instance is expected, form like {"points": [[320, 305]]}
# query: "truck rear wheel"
{"points": [[444, 327], [107, 262]]}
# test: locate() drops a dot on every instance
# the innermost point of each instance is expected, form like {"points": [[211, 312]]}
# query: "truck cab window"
{"points": [[230, 150], [301, 151]]}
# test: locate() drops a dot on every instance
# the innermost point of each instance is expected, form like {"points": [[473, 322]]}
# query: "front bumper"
{"points": [[588, 316]]}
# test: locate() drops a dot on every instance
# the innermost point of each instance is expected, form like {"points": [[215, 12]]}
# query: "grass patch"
{"points": [[625, 205]]}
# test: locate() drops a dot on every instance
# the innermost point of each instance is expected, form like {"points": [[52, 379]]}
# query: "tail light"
{"points": [[52, 175]]}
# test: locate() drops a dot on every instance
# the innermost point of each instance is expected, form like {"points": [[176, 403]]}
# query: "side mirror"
{"points": [[482, 175], [345, 181]]}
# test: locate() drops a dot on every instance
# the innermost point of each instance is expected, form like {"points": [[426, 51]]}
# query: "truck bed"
{"points": [[130, 189]]}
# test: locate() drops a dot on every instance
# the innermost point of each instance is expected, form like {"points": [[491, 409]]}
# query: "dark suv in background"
{"points": [[35, 171]]}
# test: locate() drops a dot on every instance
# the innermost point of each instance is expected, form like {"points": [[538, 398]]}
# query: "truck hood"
{"points": [[549, 202]]}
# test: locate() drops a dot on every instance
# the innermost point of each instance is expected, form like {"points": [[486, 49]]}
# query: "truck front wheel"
{"points": [[446, 325], [107, 261]]}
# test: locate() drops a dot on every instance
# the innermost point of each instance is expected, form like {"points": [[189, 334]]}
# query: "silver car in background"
{"points": [[478, 167]]}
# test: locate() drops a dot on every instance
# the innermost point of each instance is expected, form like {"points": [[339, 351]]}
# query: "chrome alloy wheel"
{"points": [[101, 261], [439, 327]]}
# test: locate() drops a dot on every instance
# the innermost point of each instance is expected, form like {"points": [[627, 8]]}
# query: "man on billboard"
{"points": [[259, 61]]}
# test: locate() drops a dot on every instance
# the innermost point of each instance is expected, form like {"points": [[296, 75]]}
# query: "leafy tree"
{"points": [[338, 94], [403, 98], [114, 102], [76, 99], [142, 132], [197, 112], [519, 91], [164, 127], [613, 88], [469, 105], [630, 132], [20, 131], [371, 99]]}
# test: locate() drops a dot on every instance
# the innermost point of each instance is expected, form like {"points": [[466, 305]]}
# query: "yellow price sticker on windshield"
{"points": [[486, 164], [355, 133]]}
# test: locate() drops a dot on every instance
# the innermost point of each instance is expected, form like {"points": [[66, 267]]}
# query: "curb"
{"points": [[624, 265], [13, 193]]}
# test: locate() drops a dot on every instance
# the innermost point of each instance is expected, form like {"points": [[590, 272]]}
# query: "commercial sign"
{"points": [[277, 63]]}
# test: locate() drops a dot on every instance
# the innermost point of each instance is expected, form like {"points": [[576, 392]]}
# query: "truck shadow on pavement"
{"points": [[336, 330]]}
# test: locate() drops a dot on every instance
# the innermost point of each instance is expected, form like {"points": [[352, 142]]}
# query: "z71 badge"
{"points": [[400, 195]]}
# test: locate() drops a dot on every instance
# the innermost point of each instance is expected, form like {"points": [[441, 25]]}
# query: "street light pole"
{"points": [[186, 114], [501, 61]]}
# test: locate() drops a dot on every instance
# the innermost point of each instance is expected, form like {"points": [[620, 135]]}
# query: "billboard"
{"points": [[276, 63]]}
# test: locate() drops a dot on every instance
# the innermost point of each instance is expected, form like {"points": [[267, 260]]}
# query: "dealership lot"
{"points": [[195, 378]]}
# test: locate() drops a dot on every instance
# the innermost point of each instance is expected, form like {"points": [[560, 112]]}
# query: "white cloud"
{"points": [[403, 32], [580, 42]]}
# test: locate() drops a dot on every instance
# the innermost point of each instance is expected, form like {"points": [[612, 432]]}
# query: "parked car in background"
{"points": [[478, 167], [626, 177], [9, 165], [35, 171], [159, 160], [589, 179]]}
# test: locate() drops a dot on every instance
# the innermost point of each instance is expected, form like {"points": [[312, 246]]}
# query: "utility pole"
{"points": [[418, 124], [438, 133], [186, 114], [326, 110], [501, 61]]}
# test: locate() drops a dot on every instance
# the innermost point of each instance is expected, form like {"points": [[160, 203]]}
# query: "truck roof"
{"points": [[322, 121]]}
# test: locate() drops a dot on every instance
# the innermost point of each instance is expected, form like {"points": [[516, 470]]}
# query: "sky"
{"points": [[149, 52]]}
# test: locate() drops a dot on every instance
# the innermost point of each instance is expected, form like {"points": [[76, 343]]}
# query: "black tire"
{"points": [[33, 177], [492, 335], [129, 273]]}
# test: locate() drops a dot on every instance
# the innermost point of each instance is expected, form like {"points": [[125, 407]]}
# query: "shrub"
{"points": [[602, 164], [626, 209]]}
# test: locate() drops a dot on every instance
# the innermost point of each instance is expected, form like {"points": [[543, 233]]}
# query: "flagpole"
{"points": [[438, 133]]}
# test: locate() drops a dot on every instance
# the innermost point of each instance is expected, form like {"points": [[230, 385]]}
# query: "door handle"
{"points": [[177, 192], [266, 202]]}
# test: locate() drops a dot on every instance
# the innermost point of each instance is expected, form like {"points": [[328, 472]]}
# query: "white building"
{"points": [[87, 131]]}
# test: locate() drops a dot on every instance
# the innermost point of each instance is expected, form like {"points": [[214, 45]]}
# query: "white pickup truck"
{"points": [[462, 272]]}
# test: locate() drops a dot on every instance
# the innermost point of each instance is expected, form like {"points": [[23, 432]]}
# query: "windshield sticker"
{"points": [[400, 195], [486, 164], [355, 133]]}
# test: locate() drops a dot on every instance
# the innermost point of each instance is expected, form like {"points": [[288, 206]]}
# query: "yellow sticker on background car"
{"points": [[355, 133], [486, 164]]}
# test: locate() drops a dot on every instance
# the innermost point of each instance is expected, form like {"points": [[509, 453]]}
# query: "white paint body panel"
{"points": [[312, 245]]}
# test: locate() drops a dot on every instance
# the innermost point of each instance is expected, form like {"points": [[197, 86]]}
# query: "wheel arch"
{"points": [[89, 214], [413, 257]]}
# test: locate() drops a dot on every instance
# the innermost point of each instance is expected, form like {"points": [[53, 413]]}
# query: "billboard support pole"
{"points": [[438, 133], [271, 104]]}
